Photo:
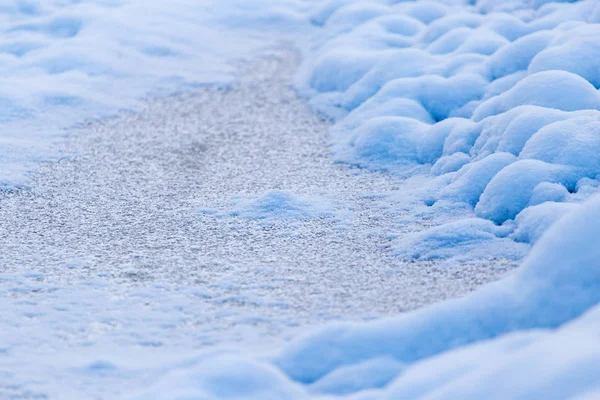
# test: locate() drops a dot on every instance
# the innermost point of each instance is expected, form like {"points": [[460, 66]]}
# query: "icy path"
{"points": [[107, 263]]}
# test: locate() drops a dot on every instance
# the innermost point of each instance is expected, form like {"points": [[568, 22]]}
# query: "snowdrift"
{"points": [[499, 99]]}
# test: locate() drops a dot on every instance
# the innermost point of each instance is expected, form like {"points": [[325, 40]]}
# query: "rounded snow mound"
{"points": [[279, 204], [497, 98]]}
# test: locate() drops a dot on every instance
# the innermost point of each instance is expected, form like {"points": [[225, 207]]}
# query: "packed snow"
{"points": [[490, 111]]}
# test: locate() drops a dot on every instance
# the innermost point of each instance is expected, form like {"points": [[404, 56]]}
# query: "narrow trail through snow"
{"points": [[125, 212]]}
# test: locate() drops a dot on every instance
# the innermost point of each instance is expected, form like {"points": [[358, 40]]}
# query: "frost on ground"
{"points": [[278, 205], [482, 118], [210, 219], [65, 61]]}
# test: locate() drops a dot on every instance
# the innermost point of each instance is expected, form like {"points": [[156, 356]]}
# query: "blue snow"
{"points": [[490, 108], [280, 205], [493, 98], [499, 102]]}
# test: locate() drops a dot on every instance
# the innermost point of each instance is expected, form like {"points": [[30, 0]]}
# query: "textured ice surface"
{"points": [[120, 263], [65, 61]]}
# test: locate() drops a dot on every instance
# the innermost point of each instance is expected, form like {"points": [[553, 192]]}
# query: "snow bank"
{"points": [[542, 318], [557, 282], [497, 98], [65, 62]]}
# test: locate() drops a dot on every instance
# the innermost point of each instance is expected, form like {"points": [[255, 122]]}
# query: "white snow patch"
{"points": [[277, 205]]}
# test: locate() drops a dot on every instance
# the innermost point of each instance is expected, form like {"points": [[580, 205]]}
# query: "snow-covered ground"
{"points": [[66, 61], [468, 132], [174, 230]]}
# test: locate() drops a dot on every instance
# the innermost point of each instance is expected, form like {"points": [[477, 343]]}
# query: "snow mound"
{"points": [[494, 98], [551, 89], [558, 281], [224, 375], [535, 220], [463, 239], [510, 191], [281, 205]]}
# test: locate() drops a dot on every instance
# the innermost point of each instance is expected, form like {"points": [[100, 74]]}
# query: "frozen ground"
{"points": [[208, 218], [64, 61], [469, 133]]}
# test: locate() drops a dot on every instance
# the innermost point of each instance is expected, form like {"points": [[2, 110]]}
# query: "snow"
{"points": [[512, 100], [471, 237], [513, 104], [516, 56], [545, 192], [572, 142], [535, 220], [224, 376], [511, 189], [576, 51], [489, 109], [384, 139], [470, 181], [375, 373], [494, 98], [66, 62], [543, 89], [281, 205], [541, 319]]}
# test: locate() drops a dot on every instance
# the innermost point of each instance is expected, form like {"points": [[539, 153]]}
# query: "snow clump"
{"points": [[281, 205], [498, 100]]}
